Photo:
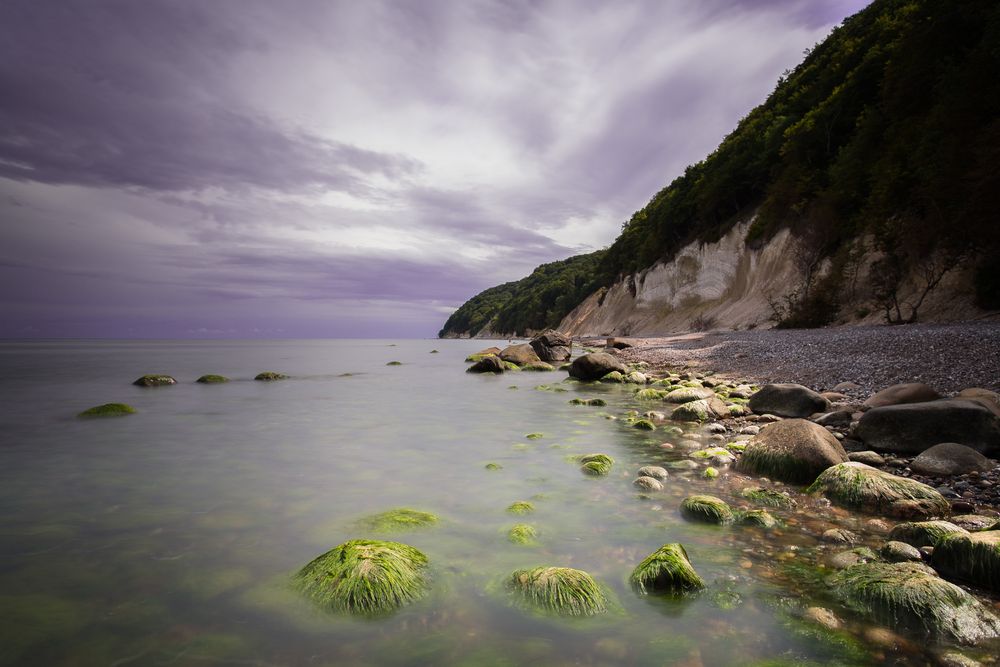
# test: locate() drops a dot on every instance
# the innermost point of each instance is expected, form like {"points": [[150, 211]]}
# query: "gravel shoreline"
{"points": [[949, 357]]}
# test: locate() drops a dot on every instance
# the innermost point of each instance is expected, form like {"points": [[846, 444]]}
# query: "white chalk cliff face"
{"points": [[723, 284]]}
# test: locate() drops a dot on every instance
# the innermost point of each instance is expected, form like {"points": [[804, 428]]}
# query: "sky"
{"points": [[314, 169]]}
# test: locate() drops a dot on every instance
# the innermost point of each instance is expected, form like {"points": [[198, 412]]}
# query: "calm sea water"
{"points": [[168, 537]]}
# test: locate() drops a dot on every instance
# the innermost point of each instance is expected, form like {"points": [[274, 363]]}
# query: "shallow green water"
{"points": [[169, 536]]}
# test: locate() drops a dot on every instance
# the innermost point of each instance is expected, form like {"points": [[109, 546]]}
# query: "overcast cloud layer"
{"points": [[246, 168]]}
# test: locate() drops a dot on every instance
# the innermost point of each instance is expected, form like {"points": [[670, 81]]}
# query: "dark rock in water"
{"points": [[270, 376], [899, 394], [900, 552], [792, 450], [950, 458], [788, 400], [840, 536], [154, 380], [108, 410], [914, 427], [869, 458], [476, 356], [519, 354], [857, 486], [212, 379], [552, 346], [594, 366], [911, 597], [488, 364], [970, 557]]}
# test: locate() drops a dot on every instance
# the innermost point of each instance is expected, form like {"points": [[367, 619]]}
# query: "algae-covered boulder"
{"points": [[596, 464], [688, 394], [489, 351], [666, 570], [924, 533], [596, 366], [488, 364], [108, 410], [521, 507], [649, 395], [644, 425], [706, 509], [614, 377], [700, 411], [788, 400], [521, 355], [270, 376], [909, 597], [857, 486], [211, 378], [898, 394], [365, 577], [760, 518], [562, 591], [900, 552], [913, 427], [522, 533], [950, 458], [768, 497], [539, 366], [154, 380], [791, 450], [399, 519], [970, 557]]}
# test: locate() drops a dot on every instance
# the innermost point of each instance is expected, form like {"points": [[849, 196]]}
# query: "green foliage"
{"points": [[558, 590], [365, 577]]}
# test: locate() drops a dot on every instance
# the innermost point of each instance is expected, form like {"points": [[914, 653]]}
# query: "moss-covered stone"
{"points": [[692, 411], [970, 557], [760, 518], [493, 466], [711, 452], [613, 377], [534, 436], [540, 366], [596, 402], [666, 570], [709, 473], [706, 509], [398, 520], [910, 597], [108, 410], [154, 380], [596, 464], [649, 395], [644, 425], [561, 591], [767, 497], [793, 450], [635, 377], [366, 577], [521, 507], [688, 394], [269, 376], [212, 379], [394, 363], [522, 533], [923, 533], [857, 486]]}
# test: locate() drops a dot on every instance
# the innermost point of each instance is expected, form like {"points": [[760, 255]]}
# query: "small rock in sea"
{"points": [[269, 376], [648, 484], [212, 379], [154, 380], [656, 472], [108, 410]]}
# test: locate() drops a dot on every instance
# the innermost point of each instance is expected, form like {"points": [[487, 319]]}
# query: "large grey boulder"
{"points": [[899, 394], [521, 355], [985, 397], [552, 346], [911, 428], [792, 450], [950, 458], [788, 400], [594, 366]]}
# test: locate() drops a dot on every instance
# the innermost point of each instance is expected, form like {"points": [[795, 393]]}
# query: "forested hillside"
{"points": [[889, 128]]}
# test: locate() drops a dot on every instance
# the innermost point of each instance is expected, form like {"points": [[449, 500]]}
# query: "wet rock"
{"points": [[793, 450], [154, 380], [614, 377], [953, 659], [840, 536], [899, 394], [540, 366], [635, 377], [976, 522], [845, 559], [700, 411], [108, 410], [552, 346], [857, 486], [212, 378], [822, 617], [716, 429], [648, 484], [521, 355], [950, 458], [788, 400], [687, 394], [488, 364], [767, 497], [596, 366], [914, 427], [924, 533], [270, 376], [706, 509], [868, 457], [970, 557], [666, 570], [656, 472], [910, 597], [476, 356], [560, 591], [596, 464], [760, 518], [649, 395], [900, 552]]}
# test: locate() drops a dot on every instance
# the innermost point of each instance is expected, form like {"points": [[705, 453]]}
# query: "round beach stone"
{"points": [[950, 458], [792, 450], [868, 457], [521, 355], [898, 394], [595, 366]]}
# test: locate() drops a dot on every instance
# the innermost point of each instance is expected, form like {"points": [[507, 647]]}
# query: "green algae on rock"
{"points": [[911, 597], [561, 591], [269, 376], [212, 379], [534, 436], [597, 402], [758, 517], [710, 473], [706, 509], [394, 363], [367, 577], [154, 380], [493, 466], [399, 519], [596, 464], [668, 569], [923, 533], [644, 425], [857, 486], [522, 533], [521, 507], [108, 410], [649, 395], [768, 497], [970, 557]]}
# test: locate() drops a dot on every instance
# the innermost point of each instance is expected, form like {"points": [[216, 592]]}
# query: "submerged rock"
{"points": [[521, 507], [562, 591], [656, 472], [910, 597], [212, 379], [596, 366], [792, 450], [914, 427], [788, 400], [154, 380], [950, 458], [108, 410], [488, 364], [666, 570], [768, 497], [688, 394], [706, 509], [760, 518], [899, 394], [365, 577], [613, 377], [970, 557], [900, 552], [269, 376], [857, 486], [399, 519], [522, 533], [924, 533], [539, 366], [596, 464], [648, 484]]}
